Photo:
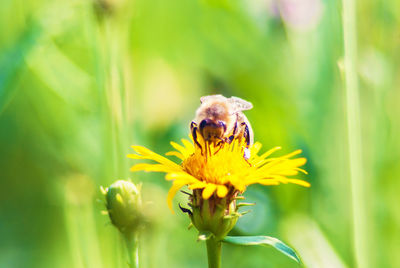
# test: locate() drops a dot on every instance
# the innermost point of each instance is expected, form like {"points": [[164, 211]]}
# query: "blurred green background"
{"points": [[81, 81]]}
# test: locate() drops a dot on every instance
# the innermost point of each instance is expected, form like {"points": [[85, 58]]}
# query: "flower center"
{"points": [[220, 164]]}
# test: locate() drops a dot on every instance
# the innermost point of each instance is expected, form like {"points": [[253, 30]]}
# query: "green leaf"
{"points": [[263, 241]]}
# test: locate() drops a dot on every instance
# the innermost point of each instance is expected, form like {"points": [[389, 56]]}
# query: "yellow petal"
{"points": [[241, 187], [135, 156], [301, 170], [197, 185], [299, 182], [145, 153], [287, 172], [270, 151], [222, 191], [151, 167], [175, 153], [178, 147], [188, 145], [268, 182], [171, 193], [283, 163], [292, 154], [183, 179], [298, 161], [181, 176], [238, 182], [279, 178], [209, 190], [255, 148], [260, 160], [141, 150]]}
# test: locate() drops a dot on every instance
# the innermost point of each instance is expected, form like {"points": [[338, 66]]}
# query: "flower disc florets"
{"points": [[217, 171]]}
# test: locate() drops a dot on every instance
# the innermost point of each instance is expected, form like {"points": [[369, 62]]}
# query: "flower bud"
{"points": [[123, 204], [214, 215]]}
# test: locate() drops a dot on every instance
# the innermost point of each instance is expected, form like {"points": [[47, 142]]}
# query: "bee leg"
{"points": [[194, 134], [230, 139], [246, 136], [221, 141], [246, 133], [221, 144], [235, 129], [193, 127]]}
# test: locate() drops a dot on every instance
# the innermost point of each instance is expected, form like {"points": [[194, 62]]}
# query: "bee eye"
{"points": [[203, 123], [222, 124], [213, 124]]}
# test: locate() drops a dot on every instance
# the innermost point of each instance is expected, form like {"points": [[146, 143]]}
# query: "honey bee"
{"points": [[220, 120]]}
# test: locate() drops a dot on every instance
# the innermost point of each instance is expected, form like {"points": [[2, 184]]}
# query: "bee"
{"points": [[220, 120]]}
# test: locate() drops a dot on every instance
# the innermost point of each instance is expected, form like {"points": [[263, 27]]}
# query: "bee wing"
{"points": [[239, 104], [211, 97]]}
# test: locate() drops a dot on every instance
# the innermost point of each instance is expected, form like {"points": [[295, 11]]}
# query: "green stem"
{"points": [[214, 252], [132, 244], [358, 180]]}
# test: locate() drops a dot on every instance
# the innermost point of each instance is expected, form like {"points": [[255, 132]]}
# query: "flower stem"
{"points": [[214, 252], [132, 244]]}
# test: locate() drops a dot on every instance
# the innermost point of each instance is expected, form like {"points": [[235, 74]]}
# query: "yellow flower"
{"points": [[223, 170]]}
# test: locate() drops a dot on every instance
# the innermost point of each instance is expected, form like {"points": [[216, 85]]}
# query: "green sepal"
{"points": [[233, 215], [244, 212], [263, 241], [245, 204]]}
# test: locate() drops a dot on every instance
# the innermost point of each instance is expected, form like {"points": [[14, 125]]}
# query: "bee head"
{"points": [[212, 130]]}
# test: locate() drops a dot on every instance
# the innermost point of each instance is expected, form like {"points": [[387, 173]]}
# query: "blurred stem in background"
{"points": [[357, 177], [113, 33], [80, 221], [113, 36]]}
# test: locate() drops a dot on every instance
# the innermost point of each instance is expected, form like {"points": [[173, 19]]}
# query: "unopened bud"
{"points": [[123, 204], [214, 215]]}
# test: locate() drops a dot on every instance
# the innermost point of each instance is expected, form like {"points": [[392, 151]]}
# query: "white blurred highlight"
{"points": [[301, 15]]}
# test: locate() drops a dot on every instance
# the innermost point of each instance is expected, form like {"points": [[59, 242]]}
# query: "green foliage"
{"points": [[81, 82], [263, 241]]}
